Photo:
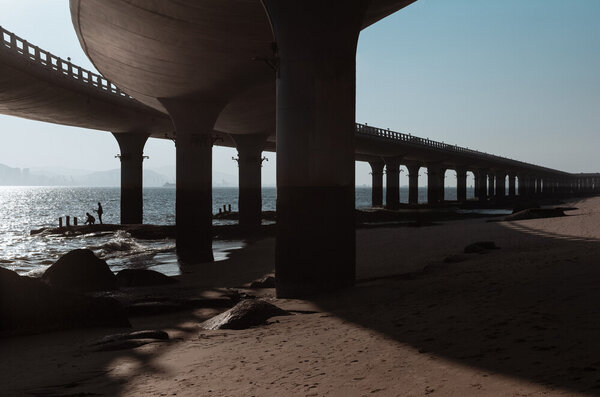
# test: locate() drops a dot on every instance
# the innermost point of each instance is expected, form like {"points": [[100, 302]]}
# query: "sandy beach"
{"points": [[423, 319]]}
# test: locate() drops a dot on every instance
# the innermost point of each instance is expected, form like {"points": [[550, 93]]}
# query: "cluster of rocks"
{"points": [[60, 298]]}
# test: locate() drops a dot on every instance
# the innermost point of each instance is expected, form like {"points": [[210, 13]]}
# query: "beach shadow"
{"points": [[529, 319]]}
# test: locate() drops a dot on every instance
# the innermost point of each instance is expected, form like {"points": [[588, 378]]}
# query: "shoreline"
{"points": [[520, 319]]}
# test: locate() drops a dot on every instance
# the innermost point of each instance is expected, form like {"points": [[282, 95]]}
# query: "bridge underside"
{"points": [[245, 71]]}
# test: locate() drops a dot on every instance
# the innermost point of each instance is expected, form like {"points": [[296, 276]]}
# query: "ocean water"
{"points": [[23, 209]]}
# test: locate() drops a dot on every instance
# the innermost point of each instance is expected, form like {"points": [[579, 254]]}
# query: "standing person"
{"points": [[99, 211]]}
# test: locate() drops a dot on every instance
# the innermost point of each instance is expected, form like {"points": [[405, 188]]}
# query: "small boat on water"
{"points": [[168, 184]]}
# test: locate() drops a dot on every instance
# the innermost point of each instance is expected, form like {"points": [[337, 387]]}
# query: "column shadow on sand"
{"points": [[527, 319], [537, 321]]}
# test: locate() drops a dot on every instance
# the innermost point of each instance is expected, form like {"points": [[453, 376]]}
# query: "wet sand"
{"points": [[519, 320]]}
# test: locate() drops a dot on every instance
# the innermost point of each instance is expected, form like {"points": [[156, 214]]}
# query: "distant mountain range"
{"points": [[56, 176]]}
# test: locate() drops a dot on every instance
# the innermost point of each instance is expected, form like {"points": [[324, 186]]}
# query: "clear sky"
{"points": [[514, 78]]}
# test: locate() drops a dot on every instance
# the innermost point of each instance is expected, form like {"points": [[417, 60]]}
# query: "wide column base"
{"points": [[316, 95], [312, 223]]}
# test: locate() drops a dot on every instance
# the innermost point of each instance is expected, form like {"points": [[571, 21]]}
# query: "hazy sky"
{"points": [[514, 78]]}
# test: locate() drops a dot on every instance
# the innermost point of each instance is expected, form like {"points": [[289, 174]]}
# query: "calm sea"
{"points": [[25, 208]]}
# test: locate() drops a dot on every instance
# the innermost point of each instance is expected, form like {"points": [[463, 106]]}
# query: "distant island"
{"points": [[56, 176]]}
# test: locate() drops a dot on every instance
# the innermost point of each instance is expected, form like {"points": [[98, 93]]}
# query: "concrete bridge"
{"points": [[200, 72]]}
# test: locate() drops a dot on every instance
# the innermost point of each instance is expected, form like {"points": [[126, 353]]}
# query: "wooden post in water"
{"points": [[224, 208], [229, 208], [74, 221], [68, 220], [60, 221]]}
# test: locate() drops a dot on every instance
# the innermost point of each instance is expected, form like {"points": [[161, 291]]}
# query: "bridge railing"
{"points": [[10, 41], [364, 129]]}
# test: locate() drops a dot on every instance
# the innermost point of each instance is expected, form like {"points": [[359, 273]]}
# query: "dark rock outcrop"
{"points": [[267, 282], [130, 340], [524, 205], [534, 213], [480, 247], [142, 277], [28, 305], [80, 271], [245, 314]]}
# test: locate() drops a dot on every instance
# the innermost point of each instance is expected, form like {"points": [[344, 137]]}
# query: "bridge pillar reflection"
{"points": [[131, 146], [392, 179], [461, 184], [376, 183], [413, 184], [250, 148], [194, 120], [316, 90]]}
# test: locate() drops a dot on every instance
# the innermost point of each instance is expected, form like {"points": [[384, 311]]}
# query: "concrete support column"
{"points": [[392, 180], [132, 155], [316, 85], [491, 185], [413, 184], [529, 186], [461, 184], [376, 183], [512, 185], [500, 184], [481, 177], [435, 183], [250, 149], [194, 121]]}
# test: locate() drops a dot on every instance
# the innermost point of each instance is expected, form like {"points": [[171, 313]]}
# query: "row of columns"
{"points": [[435, 177], [249, 147], [315, 116], [488, 184], [316, 85]]}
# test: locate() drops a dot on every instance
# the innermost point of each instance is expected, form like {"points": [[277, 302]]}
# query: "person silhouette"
{"points": [[99, 211], [90, 219]]}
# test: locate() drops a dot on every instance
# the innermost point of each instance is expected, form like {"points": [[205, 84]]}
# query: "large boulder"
{"points": [[267, 282], [142, 277], [80, 271], [245, 314], [480, 247], [27, 305]]}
